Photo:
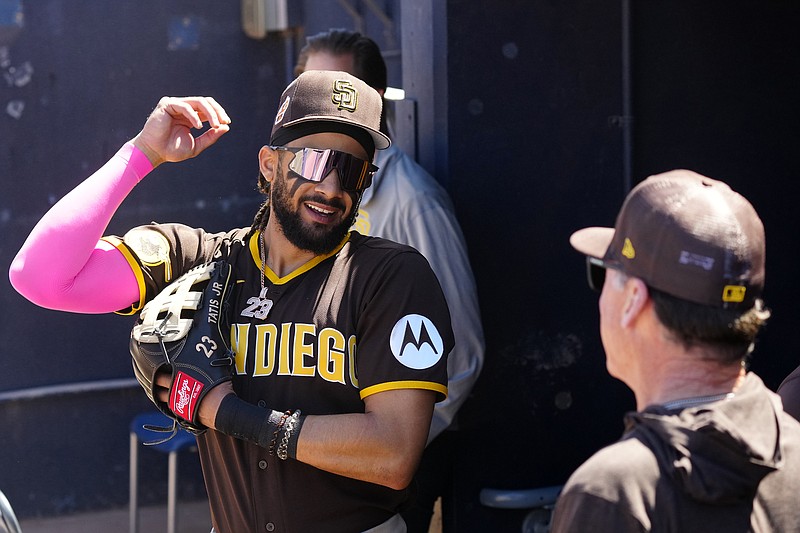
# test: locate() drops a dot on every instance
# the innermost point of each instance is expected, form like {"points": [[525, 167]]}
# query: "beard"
{"points": [[316, 238]]}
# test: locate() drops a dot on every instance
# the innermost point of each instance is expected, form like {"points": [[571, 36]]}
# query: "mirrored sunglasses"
{"points": [[314, 164]]}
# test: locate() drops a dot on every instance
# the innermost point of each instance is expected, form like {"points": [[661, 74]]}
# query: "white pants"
{"points": [[395, 524]]}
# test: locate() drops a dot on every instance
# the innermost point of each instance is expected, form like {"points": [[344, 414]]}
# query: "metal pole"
{"points": [[627, 99], [133, 483], [36, 393]]}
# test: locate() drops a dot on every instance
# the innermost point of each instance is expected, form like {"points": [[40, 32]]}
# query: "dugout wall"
{"points": [[536, 116]]}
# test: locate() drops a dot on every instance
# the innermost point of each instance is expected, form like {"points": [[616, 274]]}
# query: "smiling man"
{"points": [[340, 340], [406, 204]]}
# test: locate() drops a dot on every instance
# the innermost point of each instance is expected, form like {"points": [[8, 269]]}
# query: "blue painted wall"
{"points": [[84, 76], [533, 149]]}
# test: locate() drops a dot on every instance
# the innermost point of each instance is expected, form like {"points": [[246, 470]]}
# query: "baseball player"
{"points": [[406, 204], [340, 341]]}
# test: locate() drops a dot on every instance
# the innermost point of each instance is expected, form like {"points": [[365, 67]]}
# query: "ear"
{"points": [[267, 162], [636, 298]]}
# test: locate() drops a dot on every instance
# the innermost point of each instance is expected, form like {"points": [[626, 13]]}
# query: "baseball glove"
{"points": [[181, 332]]}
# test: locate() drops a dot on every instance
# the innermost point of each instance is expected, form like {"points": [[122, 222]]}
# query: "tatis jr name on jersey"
{"points": [[295, 349]]}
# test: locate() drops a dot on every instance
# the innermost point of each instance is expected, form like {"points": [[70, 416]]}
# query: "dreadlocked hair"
{"points": [[263, 184], [260, 220], [262, 215]]}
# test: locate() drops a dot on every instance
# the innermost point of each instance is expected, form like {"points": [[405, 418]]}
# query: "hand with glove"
{"points": [[179, 346]]}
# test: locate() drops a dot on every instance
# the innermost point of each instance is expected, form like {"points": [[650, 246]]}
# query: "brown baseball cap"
{"points": [[686, 235], [320, 101]]}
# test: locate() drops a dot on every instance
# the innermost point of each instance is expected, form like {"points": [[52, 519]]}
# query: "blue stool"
{"points": [[541, 501], [183, 440]]}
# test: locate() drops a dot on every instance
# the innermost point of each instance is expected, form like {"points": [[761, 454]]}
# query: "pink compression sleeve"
{"points": [[63, 264]]}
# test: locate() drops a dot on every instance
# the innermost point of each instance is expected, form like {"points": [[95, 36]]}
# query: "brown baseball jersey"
{"points": [[368, 317]]}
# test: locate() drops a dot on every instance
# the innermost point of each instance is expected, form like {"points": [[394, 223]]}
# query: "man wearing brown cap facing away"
{"points": [[340, 340], [709, 447]]}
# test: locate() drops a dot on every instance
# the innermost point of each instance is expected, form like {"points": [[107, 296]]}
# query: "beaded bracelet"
{"points": [[291, 424], [278, 428]]}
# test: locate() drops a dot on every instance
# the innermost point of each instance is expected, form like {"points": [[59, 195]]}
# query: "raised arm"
{"points": [[64, 264], [167, 134]]}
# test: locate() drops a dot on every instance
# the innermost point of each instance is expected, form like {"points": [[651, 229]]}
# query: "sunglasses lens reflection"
{"points": [[314, 165]]}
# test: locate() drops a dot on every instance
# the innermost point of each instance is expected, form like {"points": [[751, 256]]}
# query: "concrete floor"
{"points": [[193, 517]]}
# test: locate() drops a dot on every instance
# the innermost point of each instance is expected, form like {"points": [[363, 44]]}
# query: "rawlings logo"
{"points": [[185, 393], [183, 397], [344, 95]]}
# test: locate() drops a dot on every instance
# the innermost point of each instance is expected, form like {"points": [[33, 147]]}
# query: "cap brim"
{"points": [[381, 140], [592, 241]]}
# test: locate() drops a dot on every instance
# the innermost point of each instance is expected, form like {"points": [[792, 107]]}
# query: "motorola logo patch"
{"points": [[416, 342]]}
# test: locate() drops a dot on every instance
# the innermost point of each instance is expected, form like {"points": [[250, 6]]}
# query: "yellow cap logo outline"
{"points": [[628, 249], [733, 293]]}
